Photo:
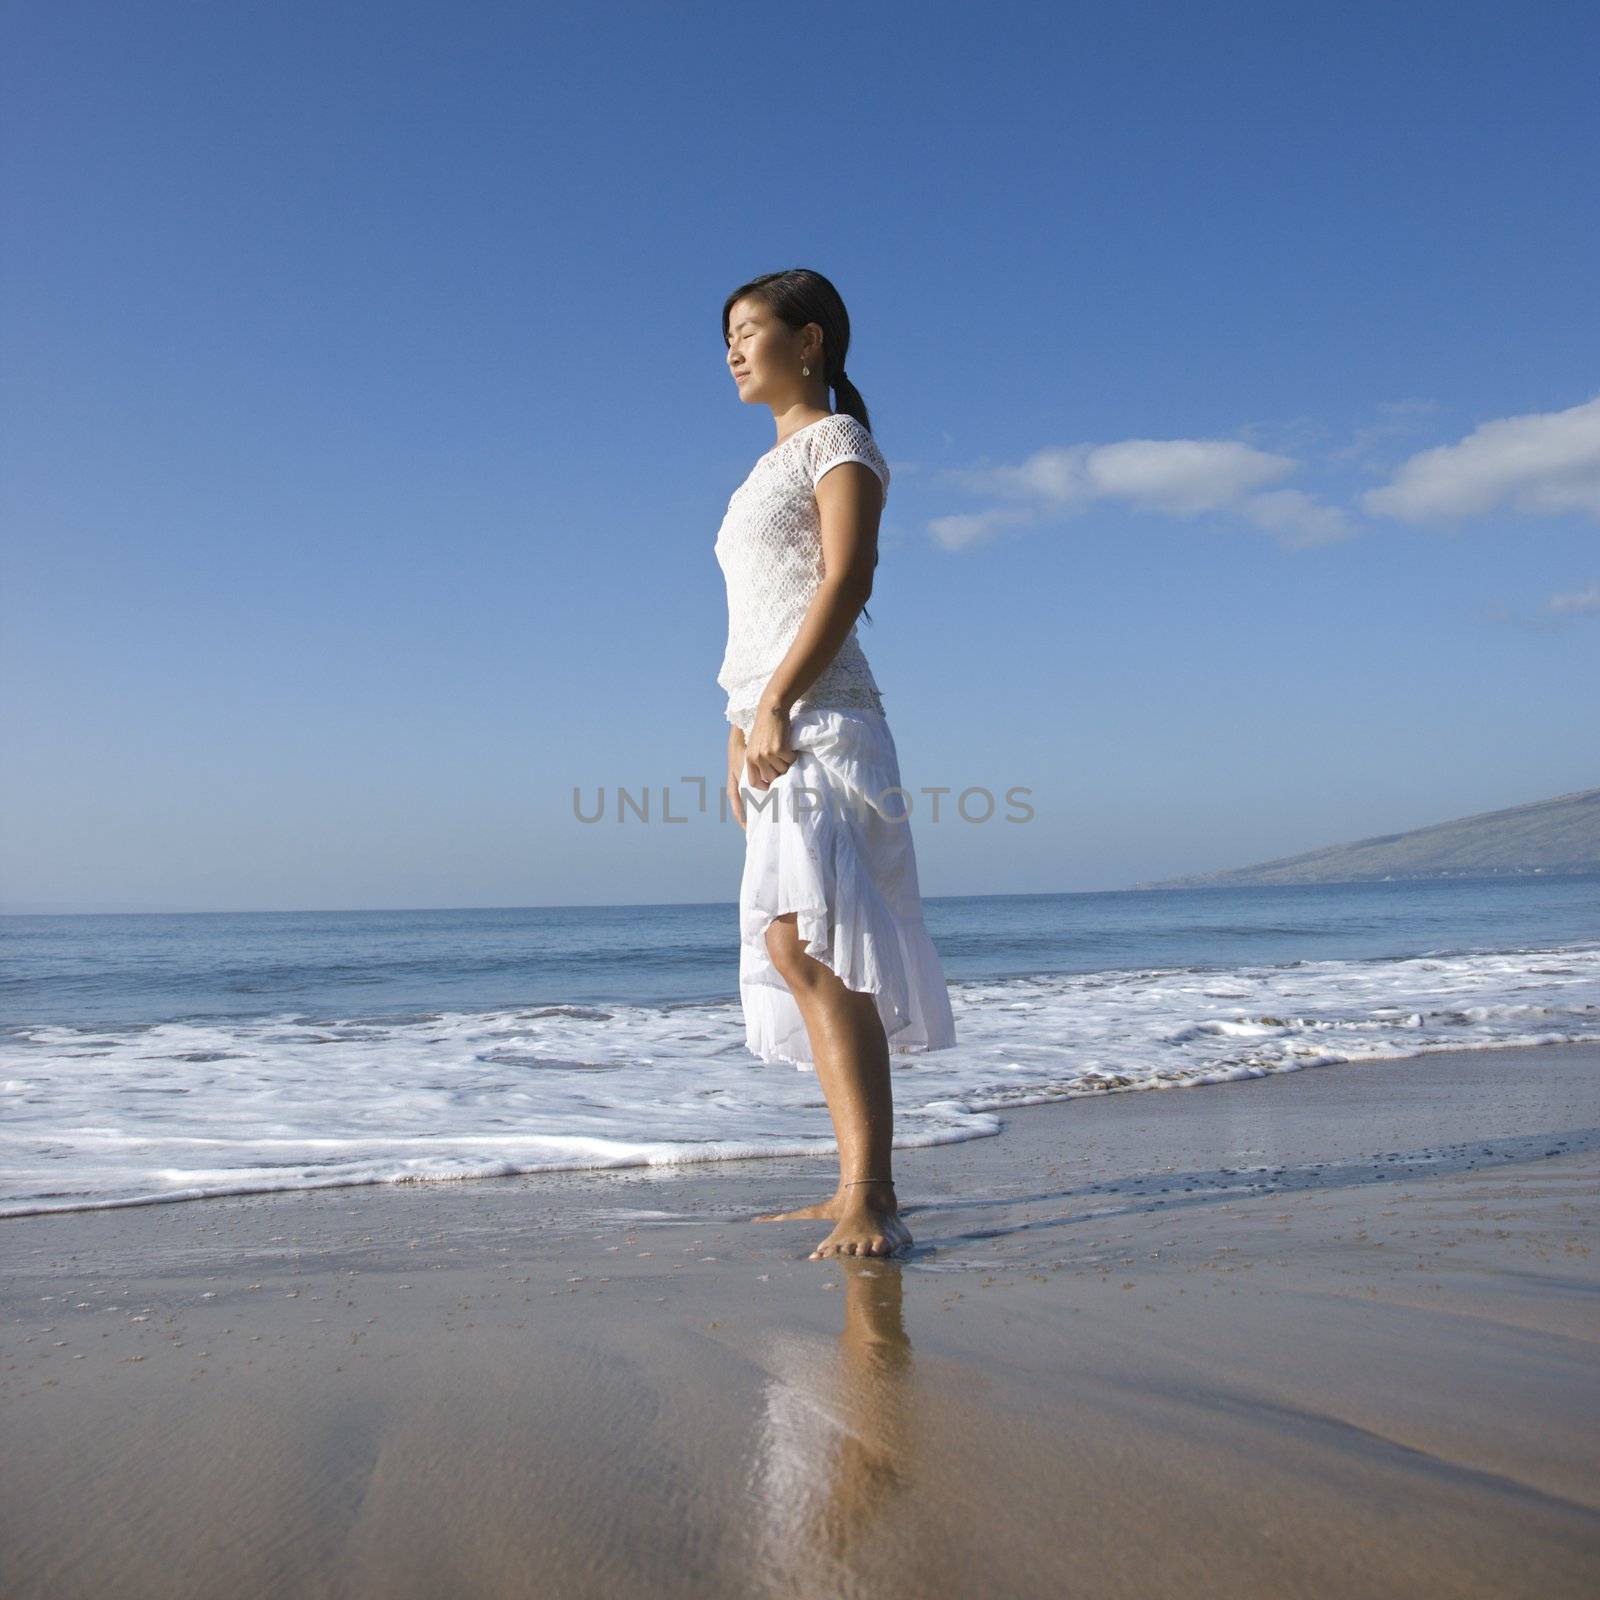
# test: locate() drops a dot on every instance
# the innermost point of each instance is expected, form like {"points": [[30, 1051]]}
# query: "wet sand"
{"points": [[1331, 1333]]}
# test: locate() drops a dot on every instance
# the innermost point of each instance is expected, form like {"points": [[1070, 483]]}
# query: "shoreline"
{"points": [[1327, 1332], [1024, 1101]]}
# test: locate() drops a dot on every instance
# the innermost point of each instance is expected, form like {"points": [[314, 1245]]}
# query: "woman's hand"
{"points": [[767, 751], [736, 771]]}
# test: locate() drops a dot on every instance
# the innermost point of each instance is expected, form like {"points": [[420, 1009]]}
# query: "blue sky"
{"points": [[367, 430]]}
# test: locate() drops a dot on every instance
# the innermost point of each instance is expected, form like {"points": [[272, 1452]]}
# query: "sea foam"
{"points": [[187, 1109]]}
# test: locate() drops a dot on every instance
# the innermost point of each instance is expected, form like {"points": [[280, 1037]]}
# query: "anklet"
{"points": [[854, 1181]]}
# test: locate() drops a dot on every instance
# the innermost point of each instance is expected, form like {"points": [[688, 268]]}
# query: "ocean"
{"points": [[156, 1058]]}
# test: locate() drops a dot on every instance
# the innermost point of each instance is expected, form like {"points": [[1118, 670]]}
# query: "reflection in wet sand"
{"points": [[835, 1449]]}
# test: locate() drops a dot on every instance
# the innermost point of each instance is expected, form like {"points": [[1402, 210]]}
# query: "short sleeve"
{"points": [[844, 438]]}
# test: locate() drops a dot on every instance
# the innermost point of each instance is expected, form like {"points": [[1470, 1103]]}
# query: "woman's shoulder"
{"points": [[840, 425], [842, 437]]}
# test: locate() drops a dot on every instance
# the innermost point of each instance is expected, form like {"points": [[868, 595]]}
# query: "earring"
{"points": [[805, 372]]}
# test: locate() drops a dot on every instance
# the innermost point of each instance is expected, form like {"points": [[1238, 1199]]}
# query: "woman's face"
{"points": [[764, 355]]}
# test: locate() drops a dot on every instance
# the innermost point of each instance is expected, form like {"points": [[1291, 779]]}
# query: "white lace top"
{"points": [[770, 550]]}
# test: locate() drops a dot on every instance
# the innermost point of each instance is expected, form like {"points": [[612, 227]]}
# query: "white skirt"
{"points": [[830, 839]]}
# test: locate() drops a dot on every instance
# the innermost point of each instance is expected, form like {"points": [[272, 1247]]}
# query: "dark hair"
{"points": [[797, 297]]}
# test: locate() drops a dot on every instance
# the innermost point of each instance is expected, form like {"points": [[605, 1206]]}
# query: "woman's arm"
{"points": [[736, 770], [850, 502]]}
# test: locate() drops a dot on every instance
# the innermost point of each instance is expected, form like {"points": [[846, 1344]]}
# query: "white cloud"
{"points": [[1543, 464], [1177, 476], [1169, 477], [1181, 476], [1579, 602], [956, 532], [1297, 519]]}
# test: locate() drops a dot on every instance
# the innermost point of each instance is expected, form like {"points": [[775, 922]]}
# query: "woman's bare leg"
{"points": [[852, 1064]]}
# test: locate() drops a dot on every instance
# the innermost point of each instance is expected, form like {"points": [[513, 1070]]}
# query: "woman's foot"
{"points": [[867, 1217], [865, 1229]]}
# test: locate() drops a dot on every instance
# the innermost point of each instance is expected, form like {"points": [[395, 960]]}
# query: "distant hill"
{"points": [[1546, 836]]}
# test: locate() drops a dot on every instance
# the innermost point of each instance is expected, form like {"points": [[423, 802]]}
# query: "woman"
{"points": [[836, 969]]}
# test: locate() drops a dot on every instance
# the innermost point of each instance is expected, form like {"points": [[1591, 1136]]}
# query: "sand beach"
{"points": [[1332, 1332]]}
